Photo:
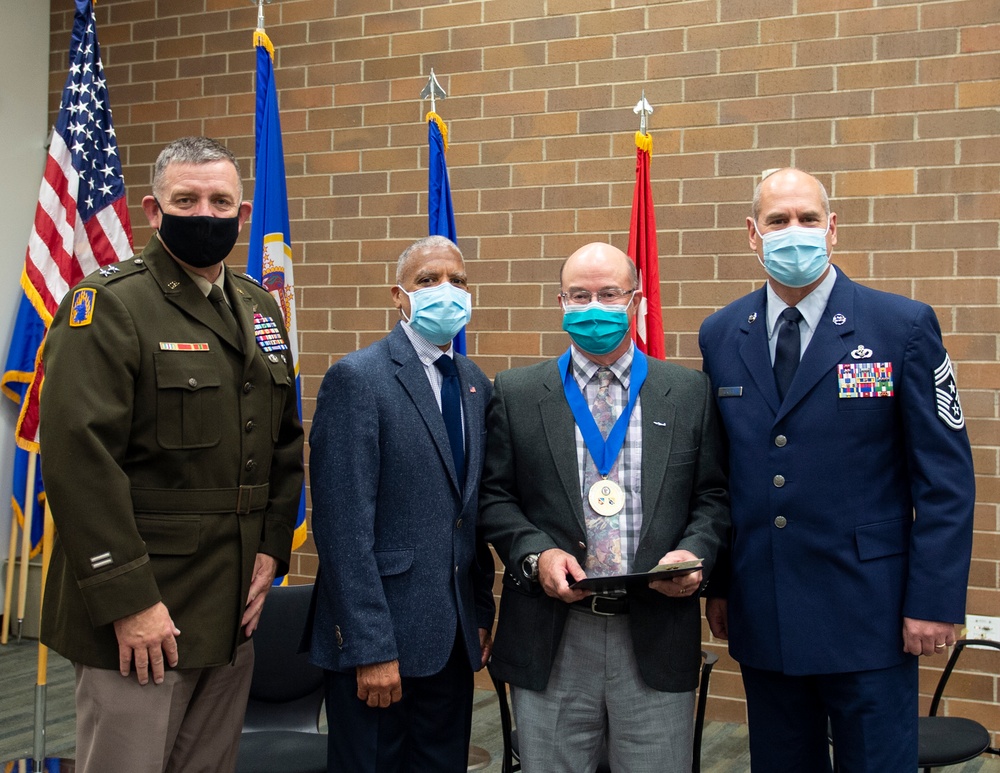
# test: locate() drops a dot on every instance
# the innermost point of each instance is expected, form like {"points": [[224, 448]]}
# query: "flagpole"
{"points": [[41, 683], [8, 592], [29, 514]]}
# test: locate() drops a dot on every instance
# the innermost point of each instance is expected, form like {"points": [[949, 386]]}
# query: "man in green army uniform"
{"points": [[173, 466]]}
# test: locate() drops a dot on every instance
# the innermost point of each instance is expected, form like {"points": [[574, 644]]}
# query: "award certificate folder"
{"points": [[622, 582]]}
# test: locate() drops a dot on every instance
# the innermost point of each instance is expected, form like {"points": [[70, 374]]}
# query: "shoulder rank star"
{"points": [[109, 270]]}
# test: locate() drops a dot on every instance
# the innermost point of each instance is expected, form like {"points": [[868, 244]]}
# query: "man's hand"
{"points": [[683, 585], [379, 684], [148, 637], [264, 569], [717, 614], [925, 637], [485, 645], [553, 567]]}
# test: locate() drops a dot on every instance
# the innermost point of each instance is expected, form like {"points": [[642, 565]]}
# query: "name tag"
{"points": [[730, 391], [864, 379]]}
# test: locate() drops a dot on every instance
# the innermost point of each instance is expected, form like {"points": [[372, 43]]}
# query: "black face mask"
{"points": [[199, 240]]}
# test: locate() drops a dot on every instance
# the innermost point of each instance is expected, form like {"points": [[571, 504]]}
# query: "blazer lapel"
{"points": [[472, 406], [658, 421], [827, 346], [559, 427], [244, 308], [755, 352], [413, 377]]}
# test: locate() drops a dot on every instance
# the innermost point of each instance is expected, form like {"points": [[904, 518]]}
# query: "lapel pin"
{"points": [[472, 389], [752, 318], [839, 319], [660, 423], [173, 285]]}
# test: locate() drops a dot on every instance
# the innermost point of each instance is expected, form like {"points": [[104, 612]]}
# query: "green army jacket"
{"points": [[171, 456]]}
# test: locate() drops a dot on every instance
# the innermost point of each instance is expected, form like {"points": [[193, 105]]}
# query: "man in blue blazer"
{"points": [[852, 496], [404, 598]]}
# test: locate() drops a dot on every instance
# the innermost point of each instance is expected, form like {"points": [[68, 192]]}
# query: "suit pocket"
{"points": [[177, 535], [887, 538], [188, 400], [390, 562], [687, 456], [281, 384]]}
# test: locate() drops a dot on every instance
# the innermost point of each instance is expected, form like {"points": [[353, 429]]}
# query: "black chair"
{"points": [[281, 727], [952, 740], [512, 762], [944, 741]]}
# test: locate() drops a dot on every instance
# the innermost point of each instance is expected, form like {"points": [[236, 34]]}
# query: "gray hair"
{"points": [[755, 205], [192, 150], [427, 243]]}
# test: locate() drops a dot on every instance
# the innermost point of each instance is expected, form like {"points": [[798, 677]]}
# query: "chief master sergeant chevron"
{"points": [[172, 459], [852, 496]]}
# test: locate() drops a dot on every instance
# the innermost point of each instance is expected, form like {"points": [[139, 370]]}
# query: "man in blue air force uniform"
{"points": [[852, 496]]}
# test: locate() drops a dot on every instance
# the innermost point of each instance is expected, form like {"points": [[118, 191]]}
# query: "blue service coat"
{"points": [[401, 569], [848, 512]]}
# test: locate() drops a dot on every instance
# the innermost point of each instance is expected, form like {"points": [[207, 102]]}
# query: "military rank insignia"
{"points": [[949, 409], [82, 312], [265, 330], [864, 379]]}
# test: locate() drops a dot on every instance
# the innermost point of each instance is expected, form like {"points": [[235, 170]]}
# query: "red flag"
{"points": [[648, 329]]}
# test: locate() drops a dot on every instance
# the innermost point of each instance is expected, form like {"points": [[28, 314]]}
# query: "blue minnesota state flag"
{"points": [[270, 257], [440, 212]]}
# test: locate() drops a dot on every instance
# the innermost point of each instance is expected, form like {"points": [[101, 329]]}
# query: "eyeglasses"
{"points": [[609, 296]]}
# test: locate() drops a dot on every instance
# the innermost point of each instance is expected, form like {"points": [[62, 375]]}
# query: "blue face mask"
{"points": [[438, 313], [795, 256], [595, 327]]}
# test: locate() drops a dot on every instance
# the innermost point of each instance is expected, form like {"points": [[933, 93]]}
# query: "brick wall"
{"points": [[892, 103]]}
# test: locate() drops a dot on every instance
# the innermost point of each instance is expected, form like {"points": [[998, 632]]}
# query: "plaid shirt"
{"points": [[629, 458]]}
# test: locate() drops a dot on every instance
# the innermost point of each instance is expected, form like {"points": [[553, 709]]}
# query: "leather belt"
{"points": [[606, 606], [241, 500]]}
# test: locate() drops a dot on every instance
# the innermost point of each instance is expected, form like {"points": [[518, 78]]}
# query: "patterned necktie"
{"points": [[786, 353], [604, 543], [451, 411], [218, 299]]}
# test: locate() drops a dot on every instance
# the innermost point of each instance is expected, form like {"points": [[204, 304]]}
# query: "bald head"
{"points": [[786, 182], [600, 258]]}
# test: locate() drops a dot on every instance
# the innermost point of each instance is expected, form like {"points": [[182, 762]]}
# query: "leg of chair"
{"points": [[710, 660], [505, 724]]}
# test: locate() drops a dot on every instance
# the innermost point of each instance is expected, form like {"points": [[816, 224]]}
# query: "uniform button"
{"points": [[779, 481], [247, 387], [456, 568], [251, 465], [458, 524], [192, 382], [250, 425], [780, 522], [781, 441]]}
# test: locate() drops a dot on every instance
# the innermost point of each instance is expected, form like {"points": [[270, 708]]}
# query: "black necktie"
{"points": [[451, 411], [786, 353], [218, 299]]}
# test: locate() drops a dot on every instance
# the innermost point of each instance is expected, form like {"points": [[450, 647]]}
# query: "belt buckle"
{"points": [[244, 500], [593, 606]]}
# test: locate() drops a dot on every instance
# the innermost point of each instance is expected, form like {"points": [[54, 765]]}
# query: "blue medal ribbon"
{"points": [[603, 452]]}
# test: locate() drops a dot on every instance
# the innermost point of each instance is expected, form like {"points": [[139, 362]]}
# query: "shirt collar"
{"points": [[811, 306], [203, 284], [584, 368], [426, 351]]}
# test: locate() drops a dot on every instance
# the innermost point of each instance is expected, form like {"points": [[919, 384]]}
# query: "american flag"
{"points": [[81, 221]]}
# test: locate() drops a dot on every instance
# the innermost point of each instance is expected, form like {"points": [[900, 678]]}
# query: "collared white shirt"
{"points": [[811, 307], [629, 458], [428, 353]]}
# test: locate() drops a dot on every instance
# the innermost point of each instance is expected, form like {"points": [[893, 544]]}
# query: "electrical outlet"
{"points": [[982, 627]]}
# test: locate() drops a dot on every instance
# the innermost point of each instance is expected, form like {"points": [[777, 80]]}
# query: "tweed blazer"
{"points": [[531, 501]]}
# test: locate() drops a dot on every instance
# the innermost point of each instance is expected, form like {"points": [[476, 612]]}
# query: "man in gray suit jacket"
{"points": [[601, 463], [404, 599]]}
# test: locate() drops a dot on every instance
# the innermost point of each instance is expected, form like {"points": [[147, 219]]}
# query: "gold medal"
{"points": [[606, 497]]}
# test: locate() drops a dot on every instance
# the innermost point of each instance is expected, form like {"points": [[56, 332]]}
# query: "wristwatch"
{"points": [[530, 566]]}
